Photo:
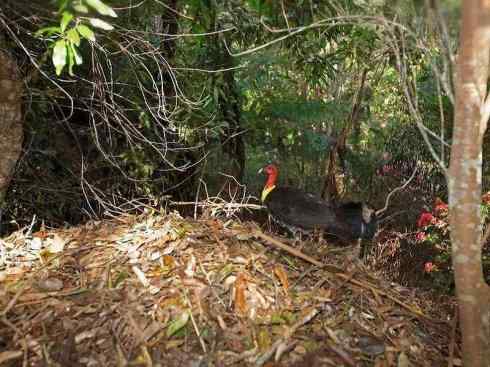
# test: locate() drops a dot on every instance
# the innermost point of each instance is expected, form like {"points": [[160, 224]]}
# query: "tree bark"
{"points": [[11, 133], [465, 182]]}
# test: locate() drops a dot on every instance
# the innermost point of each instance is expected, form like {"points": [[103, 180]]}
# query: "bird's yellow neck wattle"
{"points": [[266, 192]]}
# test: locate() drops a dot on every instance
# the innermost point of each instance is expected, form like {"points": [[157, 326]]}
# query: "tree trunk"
{"points": [[11, 132], [232, 140], [465, 183], [334, 166]]}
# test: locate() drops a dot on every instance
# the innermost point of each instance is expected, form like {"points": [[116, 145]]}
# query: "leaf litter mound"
{"points": [[162, 290]]}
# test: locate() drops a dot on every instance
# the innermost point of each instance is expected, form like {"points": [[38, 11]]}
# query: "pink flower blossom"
{"points": [[421, 236], [424, 220], [429, 267]]}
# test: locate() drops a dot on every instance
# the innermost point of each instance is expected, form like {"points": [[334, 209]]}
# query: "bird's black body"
{"points": [[298, 210]]}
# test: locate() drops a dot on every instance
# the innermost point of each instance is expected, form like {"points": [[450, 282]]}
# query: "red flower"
{"points": [[486, 198], [440, 207], [424, 220], [421, 236], [429, 267]]}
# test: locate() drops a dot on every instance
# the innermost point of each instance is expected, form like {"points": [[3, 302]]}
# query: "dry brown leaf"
{"points": [[240, 299], [169, 261], [215, 270], [50, 284], [283, 277], [56, 244]]}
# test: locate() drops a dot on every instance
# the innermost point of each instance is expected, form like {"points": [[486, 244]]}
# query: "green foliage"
{"points": [[291, 99], [74, 23]]}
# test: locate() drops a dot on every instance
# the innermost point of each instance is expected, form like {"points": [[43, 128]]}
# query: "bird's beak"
{"points": [[260, 171]]}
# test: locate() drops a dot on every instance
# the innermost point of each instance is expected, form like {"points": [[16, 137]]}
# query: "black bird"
{"points": [[301, 211]]}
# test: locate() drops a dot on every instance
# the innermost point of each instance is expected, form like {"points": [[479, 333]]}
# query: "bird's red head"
{"points": [[271, 171]]}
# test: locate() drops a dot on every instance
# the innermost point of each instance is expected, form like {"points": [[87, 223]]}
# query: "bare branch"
{"points": [[399, 188]]}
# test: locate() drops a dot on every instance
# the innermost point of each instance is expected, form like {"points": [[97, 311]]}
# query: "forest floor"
{"points": [[162, 290]]}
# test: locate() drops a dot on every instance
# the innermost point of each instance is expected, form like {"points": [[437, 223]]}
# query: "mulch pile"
{"points": [[162, 290]]}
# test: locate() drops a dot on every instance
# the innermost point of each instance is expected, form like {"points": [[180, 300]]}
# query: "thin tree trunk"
{"points": [[333, 166], [465, 183], [11, 133]]}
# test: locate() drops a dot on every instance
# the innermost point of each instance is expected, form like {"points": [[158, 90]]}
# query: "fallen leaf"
{"points": [[36, 243], [141, 276], [243, 236], [370, 345], [190, 269], [178, 323], [240, 300], [403, 360], [171, 344], [56, 244], [50, 285], [264, 340], [87, 334], [283, 277]]}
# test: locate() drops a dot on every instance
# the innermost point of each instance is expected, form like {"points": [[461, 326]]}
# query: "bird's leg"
{"points": [[319, 236], [297, 238], [301, 244], [354, 255], [357, 249]]}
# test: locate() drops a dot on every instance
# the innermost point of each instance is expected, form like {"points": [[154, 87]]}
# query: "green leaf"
{"points": [[79, 7], [101, 8], [85, 32], [48, 31], [71, 59], [76, 54], [73, 36], [98, 23], [62, 5], [65, 20], [59, 56], [178, 323]]}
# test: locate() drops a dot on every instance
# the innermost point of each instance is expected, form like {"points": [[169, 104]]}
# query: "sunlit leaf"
{"points": [[59, 56], [65, 20], [76, 54], [62, 5], [85, 32], [48, 31], [70, 58], [101, 8], [73, 36], [79, 7], [98, 23]]}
